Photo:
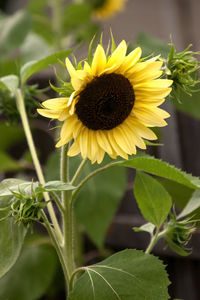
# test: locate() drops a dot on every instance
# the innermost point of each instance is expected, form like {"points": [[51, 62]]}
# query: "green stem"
{"points": [[56, 245], [25, 123], [71, 282], [57, 200], [68, 224], [75, 177], [91, 175], [154, 239]]}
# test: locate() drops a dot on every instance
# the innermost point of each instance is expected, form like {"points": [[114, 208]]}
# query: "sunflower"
{"points": [[114, 102], [107, 8]]}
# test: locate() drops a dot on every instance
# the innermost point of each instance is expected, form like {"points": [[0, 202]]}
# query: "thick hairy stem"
{"points": [[68, 221]]}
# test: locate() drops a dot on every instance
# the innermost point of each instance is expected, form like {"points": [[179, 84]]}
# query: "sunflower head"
{"points": [[104, 9], [114, 101]]}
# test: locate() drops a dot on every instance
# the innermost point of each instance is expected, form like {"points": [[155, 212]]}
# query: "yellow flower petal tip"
{"points": [[109, 8]]}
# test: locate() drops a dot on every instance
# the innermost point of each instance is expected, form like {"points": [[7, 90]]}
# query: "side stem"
{"points": [[25, 123], [154, 240]]}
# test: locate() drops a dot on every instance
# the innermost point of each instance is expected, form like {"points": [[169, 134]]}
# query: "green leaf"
{"points": [[14, 29], [126, 275], [9, 184], [180, 193], [33, 67], [57, 186], [31, 276], [148, 227], [10, 82], [160, 168], [98, 201], [192, 205], [11, 241], [153, 200]]}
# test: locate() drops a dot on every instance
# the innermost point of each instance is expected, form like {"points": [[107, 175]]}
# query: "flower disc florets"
{"points": [[115, 100]]}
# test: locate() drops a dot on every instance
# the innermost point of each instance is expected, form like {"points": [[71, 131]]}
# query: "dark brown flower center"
{"points": [[105, 102]]}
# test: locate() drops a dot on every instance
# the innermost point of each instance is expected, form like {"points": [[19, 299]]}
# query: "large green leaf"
{"points": [[192, 205], [32, 274], [33, 67], [180, 193], [11, 241], [10, 82], [8, 185], [160, 168], [153, 200], [98, 200], [126, 275], [14, 29]]}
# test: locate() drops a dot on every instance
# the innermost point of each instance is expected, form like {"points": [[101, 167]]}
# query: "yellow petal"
{"points": [[131, 59], [154, 85], [67, 130], [74, 149], [103, 141], [83, 142], [100, 155], [115, 146], [148, 117], [55, 103], [128, 134], [94, 146], [141, 129], [49, 113], [117, 56], [159, 94], [148, 103], [99, 61], [77, 76], [63, 115], [87, 67]]}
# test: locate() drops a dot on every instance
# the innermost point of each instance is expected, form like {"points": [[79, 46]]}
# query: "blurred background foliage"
{"points": [[32, 33]]}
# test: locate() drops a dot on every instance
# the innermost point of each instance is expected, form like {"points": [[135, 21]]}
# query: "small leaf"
{"points": [[191, 206], [32, 274], [148, 227], [153, 200], [11, 241], [57, 185], [11, 82], [33, 67], [9, 184], [126, 275]]}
